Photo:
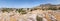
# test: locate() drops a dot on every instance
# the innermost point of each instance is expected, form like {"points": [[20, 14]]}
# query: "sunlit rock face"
{"points": [[28, 17]]}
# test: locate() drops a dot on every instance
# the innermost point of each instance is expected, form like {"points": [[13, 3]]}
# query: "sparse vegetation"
{"points": [[7, 9], [52, 8]]}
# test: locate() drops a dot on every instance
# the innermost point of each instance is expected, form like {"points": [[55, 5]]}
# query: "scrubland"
{"points": [[46, 12]]}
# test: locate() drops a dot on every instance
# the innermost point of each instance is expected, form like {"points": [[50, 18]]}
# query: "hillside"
{"points": [[44, 12]]}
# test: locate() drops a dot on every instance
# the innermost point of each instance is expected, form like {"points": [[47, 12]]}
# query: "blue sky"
{"points": [[25, 3]]}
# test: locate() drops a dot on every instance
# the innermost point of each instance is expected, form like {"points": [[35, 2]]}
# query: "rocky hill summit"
{"points": [[48, 6]]}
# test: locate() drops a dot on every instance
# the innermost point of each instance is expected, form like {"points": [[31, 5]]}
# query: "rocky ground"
{"points": [[36, 15]]}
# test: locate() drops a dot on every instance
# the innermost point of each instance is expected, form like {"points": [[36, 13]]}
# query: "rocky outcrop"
{"points": [[35, 15]]}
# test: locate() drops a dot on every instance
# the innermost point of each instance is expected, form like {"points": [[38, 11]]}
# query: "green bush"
{"points": [[59, 8], [38, 18], [21, 11]]}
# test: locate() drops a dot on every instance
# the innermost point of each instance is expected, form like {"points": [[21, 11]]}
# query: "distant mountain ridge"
{"points": [[48, 6]]}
